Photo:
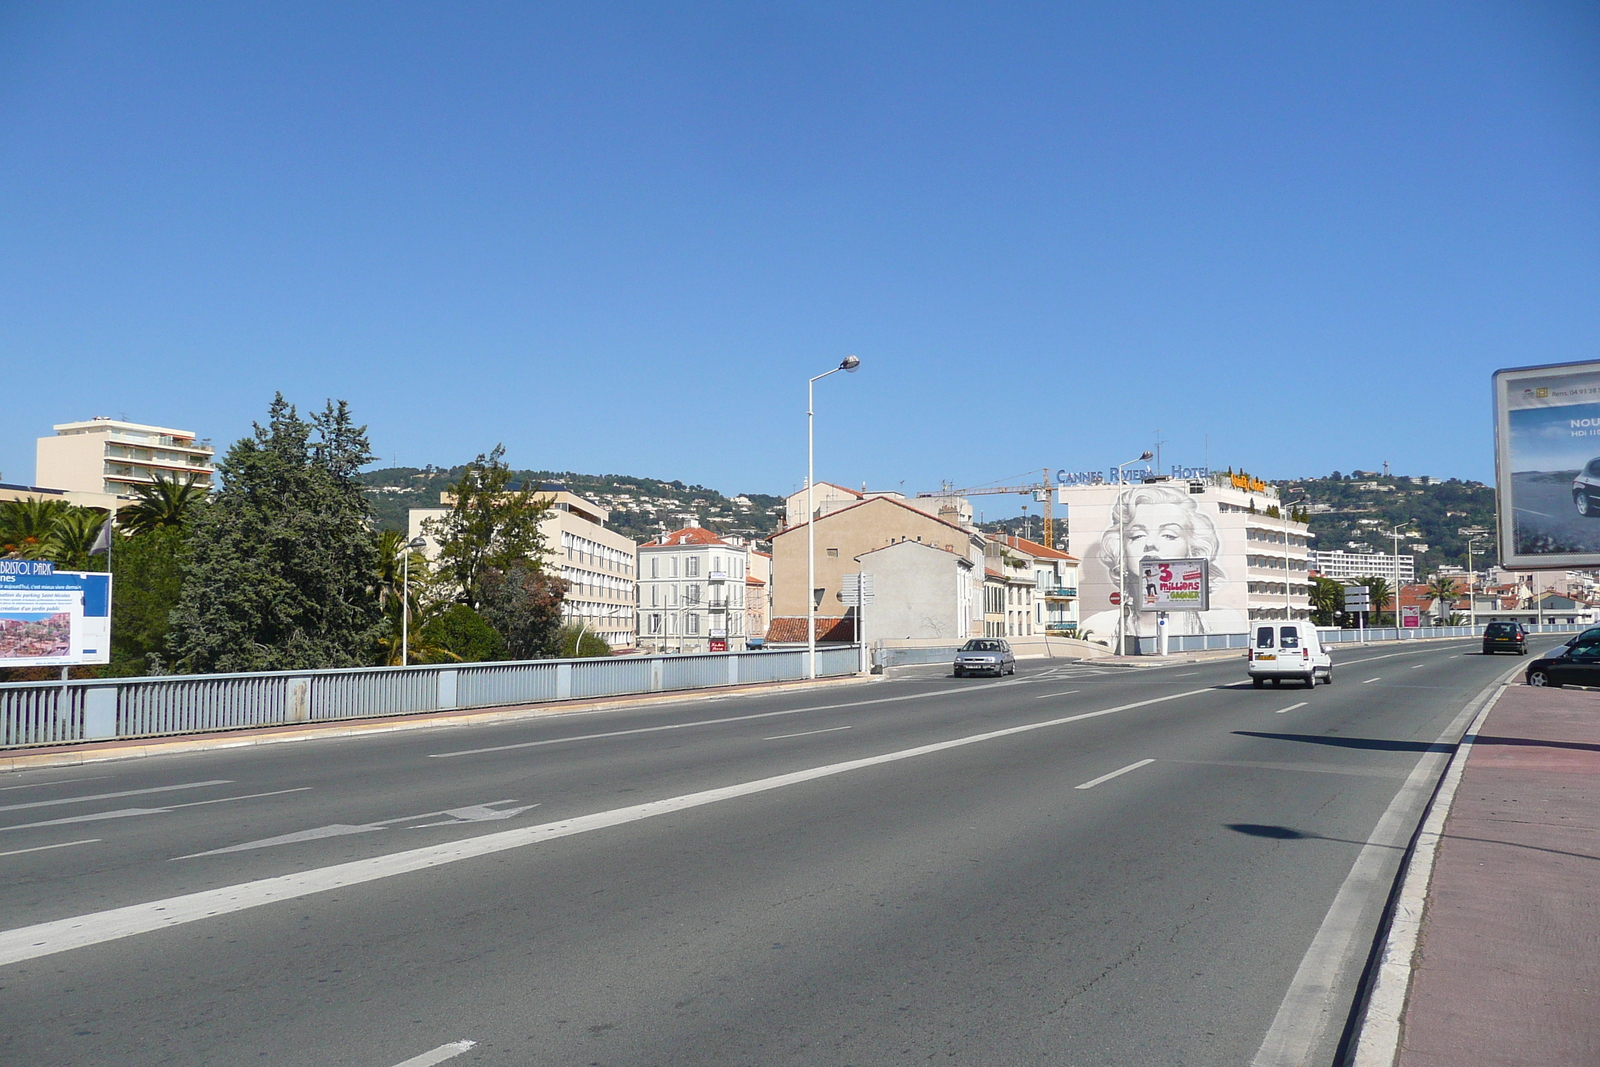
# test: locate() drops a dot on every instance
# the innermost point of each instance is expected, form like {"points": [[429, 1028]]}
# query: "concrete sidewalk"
{"points": [[1506, 968]]}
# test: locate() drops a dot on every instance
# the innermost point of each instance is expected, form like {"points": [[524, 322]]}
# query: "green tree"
{"points": [[591, 644], [166, 502], [464, 635], [71, 538], [25, 524], [490, 526], [147, 580], [524, 605], [278, 573], [1327, 601], [1442, 589]]}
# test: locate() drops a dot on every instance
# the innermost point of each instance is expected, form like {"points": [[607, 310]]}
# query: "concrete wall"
{"points": [[919, 593]]}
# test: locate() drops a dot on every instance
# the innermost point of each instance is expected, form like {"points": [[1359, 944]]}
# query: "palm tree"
{"points": [[25, 525], [1327, 601], [1442, 589], [71, 538], [1380, 593], [164, 502]]}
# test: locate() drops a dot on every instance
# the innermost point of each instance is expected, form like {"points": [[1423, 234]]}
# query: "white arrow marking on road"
{"points": [[123, 813], [438, 1055], [114, 796], [460, 816], [474, 813], [45, 848], [334, 830]]}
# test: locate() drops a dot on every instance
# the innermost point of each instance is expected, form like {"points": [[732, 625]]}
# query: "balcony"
{"points": [[1060, 592]]}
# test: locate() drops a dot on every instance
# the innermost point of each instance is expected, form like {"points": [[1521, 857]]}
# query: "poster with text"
{"points": [[1174, 585], [1547, 465], [51, 618]]}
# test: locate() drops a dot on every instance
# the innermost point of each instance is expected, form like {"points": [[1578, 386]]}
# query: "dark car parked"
{"points": [[1574, 665], [1505, 637]]}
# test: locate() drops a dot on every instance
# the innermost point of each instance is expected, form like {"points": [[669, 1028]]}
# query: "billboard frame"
{"points": [[1163, 605], [1505, 492]]}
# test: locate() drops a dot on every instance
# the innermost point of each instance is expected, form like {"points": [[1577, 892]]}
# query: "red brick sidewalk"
{"points": [[1508, 966]]}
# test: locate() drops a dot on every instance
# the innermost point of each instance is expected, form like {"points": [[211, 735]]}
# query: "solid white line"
{"points": [[1091, 783], [1308, 1008], [1379, 1037], [1047, 696], [61, 935], [807, 733], [124, 813], [113, 796], [41, 848], [1369, 681], [1291, 707], [438, 1055]]}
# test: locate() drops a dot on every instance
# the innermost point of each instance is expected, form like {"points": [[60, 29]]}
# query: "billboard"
{"points": [[51, 618], [1547, 465], [1174, 585]]}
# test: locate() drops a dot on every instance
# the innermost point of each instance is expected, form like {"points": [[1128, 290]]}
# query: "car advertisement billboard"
{"points": [[1174, 585], [1547, 465], [51, 618]]}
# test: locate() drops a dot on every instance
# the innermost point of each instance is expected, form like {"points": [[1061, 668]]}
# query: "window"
{"points": [[1288, 637], [833, 553], [691, 624], [691, 567], [655, 566], [1264, 637]]}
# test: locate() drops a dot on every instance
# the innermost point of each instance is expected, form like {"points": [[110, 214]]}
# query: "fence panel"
{"points": [[180, 704], [611, 677], [358, 695], [833, 662], [772, 666], [694, 672], [33, 714], [488, 685]]}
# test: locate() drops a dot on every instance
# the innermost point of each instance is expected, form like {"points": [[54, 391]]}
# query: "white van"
{"points": [[1288, 650]]}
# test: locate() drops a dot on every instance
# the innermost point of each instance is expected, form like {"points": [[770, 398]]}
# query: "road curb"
{"points": [[82, 753], [1378, 1040]]}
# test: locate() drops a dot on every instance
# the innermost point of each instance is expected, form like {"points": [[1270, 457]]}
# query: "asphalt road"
{"points": [[1071, 866]]}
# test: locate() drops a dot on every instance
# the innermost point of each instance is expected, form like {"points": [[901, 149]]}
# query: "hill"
{"points": [[1356, 511], [640, 507]]}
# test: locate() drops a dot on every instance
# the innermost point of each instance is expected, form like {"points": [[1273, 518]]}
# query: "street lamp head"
{"points": [[850, 363], [417, 543], [1145, 455]]}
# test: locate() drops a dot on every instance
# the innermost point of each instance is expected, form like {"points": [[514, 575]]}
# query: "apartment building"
{"points": [[599, 565], [1344, 566], [693, 587], [1054, 597], [828, 498], [114, 458]]}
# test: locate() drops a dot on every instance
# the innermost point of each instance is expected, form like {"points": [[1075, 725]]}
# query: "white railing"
{"points": [[41, 713]]}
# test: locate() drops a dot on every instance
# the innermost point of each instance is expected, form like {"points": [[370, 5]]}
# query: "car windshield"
{"points": [[1500, 629], [1288, 637], [980, 646]]}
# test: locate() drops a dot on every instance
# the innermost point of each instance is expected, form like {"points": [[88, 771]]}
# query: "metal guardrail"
{"points": [[1331, 636], [38, 713]]}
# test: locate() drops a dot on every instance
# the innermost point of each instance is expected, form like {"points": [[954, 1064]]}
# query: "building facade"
{"points": [[1055, 583], [692, 593], [919, 592], [115, 458], [1342, 566]]}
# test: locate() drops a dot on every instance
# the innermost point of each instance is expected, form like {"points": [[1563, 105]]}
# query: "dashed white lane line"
{"points": [[1418, 666], [1291, 707], [125, 813], [1369, 681], [42, 848], [806, 733], [61, 781], [113, 796], [438, 1055], [1047, 696], [1091, 783], [94, 928]]}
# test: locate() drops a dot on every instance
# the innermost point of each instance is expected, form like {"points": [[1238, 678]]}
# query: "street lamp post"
{"points": [[416, 544], [1122, 559], [1472, 592], [1283, 513], [849, 363], [1395, 533]]}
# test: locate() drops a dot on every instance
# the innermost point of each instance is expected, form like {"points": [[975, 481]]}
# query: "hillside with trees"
{"points": [[1356, 511]]}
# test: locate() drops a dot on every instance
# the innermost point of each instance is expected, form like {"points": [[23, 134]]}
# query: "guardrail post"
{"points": [[563, 681], [733, 668], [297, 700], [99, 712], [447, 689], [655, 676]]}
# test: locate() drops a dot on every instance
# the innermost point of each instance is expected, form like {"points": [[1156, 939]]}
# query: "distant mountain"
{"points": [[640, 508], [1360, 508]]}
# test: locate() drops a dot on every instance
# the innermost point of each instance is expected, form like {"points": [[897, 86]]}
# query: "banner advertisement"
{"points": [[1175, 585], [51, 618], [1410, 616], [1547, 465]]}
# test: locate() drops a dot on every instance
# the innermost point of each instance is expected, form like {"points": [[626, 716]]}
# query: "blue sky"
{"points": [[620, 237]]}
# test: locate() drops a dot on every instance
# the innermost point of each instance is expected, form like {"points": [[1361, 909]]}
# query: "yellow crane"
{"points": [[1042, 491]]}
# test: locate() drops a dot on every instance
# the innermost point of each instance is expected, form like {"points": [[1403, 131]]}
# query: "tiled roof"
{"points": [[1034, 548], [867, 503], [791, 629], [690, 535], [752, 580]]}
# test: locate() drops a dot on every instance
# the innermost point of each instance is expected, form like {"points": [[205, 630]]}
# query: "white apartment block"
{"points": [[692, 590], [1343, 566], [107, 456], [600, 566]]}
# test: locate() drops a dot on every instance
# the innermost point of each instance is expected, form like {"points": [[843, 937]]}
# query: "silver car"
{"points": [[1586, 490], [985, 655]]}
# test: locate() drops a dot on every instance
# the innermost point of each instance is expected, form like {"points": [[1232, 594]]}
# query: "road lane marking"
{"points": [[1369, 681], [42, 848], [1418, 666], [64, 781], [1047, 696], [1308, 1008], [1091, 783], [78, 931], [1291, 707], [458, 817], [438, 1055], [1190, 674], [807, 733], [114, 796], [125, 813]]}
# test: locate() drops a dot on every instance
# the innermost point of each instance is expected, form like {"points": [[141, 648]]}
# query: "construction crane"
{"points": [[1043, 491]]}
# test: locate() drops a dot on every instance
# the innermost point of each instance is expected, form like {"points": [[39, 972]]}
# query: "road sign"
{"points": [[1174, 585], [51, 618], [855, 589], [1116, 598], [1357, 598]]}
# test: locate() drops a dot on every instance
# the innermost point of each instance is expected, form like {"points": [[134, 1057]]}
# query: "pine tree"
{"points": [[278, 569]]}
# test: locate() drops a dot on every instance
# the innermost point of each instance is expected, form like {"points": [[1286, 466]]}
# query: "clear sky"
{"points": [[620, 237]]}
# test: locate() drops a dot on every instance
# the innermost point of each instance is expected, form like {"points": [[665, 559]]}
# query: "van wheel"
{"points": [[1327, 679], [1311, 680], [1257, 682]]}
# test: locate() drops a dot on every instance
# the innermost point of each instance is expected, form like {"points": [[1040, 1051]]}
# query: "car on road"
{"points": [[985, 655], [1505, 637], [1288, 651], [1586, 490], [1577, 664]]}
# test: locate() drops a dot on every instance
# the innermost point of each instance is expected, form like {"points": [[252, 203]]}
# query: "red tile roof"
{"points": [[690, 535], [1034, 548], [752, 580], [787, 629]]}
